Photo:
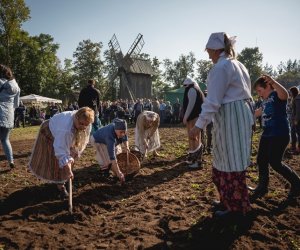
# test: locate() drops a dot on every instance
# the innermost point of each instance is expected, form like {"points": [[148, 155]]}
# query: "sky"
{"points": [[170, 28]]}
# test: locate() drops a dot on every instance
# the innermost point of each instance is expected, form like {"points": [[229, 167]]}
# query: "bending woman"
{"points": [[60, 141], [146, 132]]}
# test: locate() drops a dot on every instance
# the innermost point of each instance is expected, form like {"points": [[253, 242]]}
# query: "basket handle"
{"points": [[127, 160]]}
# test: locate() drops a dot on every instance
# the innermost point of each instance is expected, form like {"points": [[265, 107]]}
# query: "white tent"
{"points": [[38, 99]]}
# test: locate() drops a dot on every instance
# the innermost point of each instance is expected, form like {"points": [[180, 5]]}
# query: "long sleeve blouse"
{"points": [[227, 81], [9, 100], [107, 135], [62, 129]]}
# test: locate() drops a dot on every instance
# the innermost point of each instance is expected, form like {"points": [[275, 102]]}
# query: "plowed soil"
{"points": [[166, 206]]}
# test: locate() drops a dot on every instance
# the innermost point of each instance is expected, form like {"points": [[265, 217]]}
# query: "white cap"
{"points": [[188, 81], [216, 41]]}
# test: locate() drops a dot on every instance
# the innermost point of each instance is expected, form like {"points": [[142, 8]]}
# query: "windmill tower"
{"points": [[134, 73]]}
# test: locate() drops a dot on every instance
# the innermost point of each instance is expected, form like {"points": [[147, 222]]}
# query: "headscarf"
{"points": [[216, 41], [120, 124], [190, 81]]}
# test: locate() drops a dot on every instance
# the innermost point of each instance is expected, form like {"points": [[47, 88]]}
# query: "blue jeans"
{"points": [[4, 137], [96, 125]]}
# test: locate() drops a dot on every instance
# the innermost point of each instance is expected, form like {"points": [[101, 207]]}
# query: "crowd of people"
{"points": [[105, 112], [225, 114]]}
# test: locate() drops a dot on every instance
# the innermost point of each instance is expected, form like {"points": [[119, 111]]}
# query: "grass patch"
{"points": [[26, 133]]}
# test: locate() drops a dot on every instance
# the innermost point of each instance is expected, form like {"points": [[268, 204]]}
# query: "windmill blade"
{"points": [[113, 77], [125, 80], [136, 46], [115, 50]]}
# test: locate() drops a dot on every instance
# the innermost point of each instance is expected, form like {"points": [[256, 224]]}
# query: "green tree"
{"points": [[158, 85], [110, 86], [36, 65], [12, 14], [252, 59], [269, 70], [65, 83], [88, 63], [289, 73], [203, 68], [176, 72]]}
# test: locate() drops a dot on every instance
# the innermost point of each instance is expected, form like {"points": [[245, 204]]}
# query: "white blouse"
{"points": [[227, 81], [62, 128]]}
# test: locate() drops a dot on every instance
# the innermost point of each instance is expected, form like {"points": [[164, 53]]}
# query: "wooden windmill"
{"points": [[134, 72]]}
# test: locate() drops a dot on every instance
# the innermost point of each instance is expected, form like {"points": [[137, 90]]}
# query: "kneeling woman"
{"points": [[60, 141], [106, 141]]}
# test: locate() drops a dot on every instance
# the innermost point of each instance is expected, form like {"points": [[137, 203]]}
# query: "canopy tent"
{"points": [[172, 95], [38, 99]]}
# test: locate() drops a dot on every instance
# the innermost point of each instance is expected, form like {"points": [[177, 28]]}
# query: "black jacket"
{"points": [[89, 97]]}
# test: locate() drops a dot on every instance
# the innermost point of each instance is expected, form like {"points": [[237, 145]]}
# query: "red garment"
{"points": [[232, 189]]}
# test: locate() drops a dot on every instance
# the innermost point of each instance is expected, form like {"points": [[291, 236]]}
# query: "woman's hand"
{"points": [[115, 168], [121, 177], [146, 143], [68, 171]]}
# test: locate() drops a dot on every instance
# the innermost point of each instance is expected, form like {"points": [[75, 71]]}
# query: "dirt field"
{"points": [[166, 206]]}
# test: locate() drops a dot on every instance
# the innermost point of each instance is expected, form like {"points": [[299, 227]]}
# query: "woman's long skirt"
{"points": [[43, 163]]}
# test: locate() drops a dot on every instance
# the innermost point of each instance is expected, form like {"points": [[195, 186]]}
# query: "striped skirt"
{"points": [[43, 163], [232, 132]]}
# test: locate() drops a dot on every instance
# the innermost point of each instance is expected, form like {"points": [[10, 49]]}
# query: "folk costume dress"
{"points": [[145, 132], [58, 143], [227, 105], [192, 102]]}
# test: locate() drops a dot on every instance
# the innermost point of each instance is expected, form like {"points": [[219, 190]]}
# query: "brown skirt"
{"points": [[43, 163]]}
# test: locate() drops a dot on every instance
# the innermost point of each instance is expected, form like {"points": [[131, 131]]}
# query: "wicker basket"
{"points": [[136, 151], [128, 167]]}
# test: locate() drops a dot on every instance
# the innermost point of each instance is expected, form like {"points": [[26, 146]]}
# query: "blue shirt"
{"points": [[274, 116], [107, 135]]}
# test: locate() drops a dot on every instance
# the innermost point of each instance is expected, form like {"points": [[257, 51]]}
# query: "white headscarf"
{"points": [[216, 41], [190, 81]]}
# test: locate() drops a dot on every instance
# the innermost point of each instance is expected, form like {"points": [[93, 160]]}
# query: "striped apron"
{"points": [[43, 163], [232, 131]]}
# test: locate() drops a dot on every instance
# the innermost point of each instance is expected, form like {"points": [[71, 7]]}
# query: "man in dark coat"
{"points": [[90, 97]]}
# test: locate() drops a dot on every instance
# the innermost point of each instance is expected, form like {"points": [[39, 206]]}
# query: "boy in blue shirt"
{"points": [[106, 141]]}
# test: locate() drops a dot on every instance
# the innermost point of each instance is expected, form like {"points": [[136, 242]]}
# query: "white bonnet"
{"points": [[216, 41], [188, 81]]}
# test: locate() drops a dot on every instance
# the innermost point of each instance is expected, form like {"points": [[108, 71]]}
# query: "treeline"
{"points": [[38, 70]]}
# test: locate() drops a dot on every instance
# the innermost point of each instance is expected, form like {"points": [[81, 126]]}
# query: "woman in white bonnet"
{"points": [[192, 101], [146, 132], [227, 104]]}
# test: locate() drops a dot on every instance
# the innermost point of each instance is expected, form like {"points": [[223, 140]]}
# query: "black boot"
{"points": [[261, 189], [293, 178]]}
